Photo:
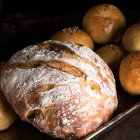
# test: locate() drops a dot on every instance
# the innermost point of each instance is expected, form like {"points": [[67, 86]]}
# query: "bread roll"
{"points": [[74, 34], [112, 54], [63, 89], [7, 114], [129, 73], [131, 38], [105, 23]]}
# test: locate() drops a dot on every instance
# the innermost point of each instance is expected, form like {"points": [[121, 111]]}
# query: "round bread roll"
{"points": [[131, 38], [112, 54], [105, 23], [59, 89], [74, 34], [7, 114], [129, 73]]}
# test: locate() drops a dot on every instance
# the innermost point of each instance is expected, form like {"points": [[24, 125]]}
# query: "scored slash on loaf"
{"points": [[61, 88]]}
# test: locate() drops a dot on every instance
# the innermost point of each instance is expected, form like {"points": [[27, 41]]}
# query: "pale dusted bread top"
{"points": [[63, 89]]}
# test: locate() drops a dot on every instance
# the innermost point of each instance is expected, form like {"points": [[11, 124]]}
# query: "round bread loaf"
{"points": [[75, 35], [105, 23], [63, 89]]}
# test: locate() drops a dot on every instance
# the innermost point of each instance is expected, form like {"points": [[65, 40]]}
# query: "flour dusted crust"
{"points": [[63, 89], [7, 114]]}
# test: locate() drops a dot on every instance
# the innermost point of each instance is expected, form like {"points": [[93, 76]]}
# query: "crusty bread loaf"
{"points": [[63, 89], [7, 114]]}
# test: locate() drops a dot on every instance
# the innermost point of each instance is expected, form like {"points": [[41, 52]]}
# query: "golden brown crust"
{"points": [[112, 54], [74, 34], [131, 38], [7, 114], [105, 23], [59, 89], [129, 73]]}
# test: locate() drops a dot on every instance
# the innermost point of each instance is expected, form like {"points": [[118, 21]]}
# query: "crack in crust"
{"points": [[65, 52], [68, 53], [63, 66]]}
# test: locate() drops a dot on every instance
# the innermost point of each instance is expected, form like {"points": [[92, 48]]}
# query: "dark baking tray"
{"points": [[17, 31]]}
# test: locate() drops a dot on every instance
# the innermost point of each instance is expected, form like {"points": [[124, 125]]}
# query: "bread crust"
{"points": [[75, 35], [112, 54], [63, 89], [131, 38], [7, 114], [129, 73], [105, 23]]}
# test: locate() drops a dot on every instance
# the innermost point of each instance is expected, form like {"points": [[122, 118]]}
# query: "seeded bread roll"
{"points": [[63, 89], [112, 54], [74, 34], [131, 38], [105, 23]]}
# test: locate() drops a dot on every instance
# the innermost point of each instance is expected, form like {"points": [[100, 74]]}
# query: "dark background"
{"points": [[26, 22], [60, 6]]}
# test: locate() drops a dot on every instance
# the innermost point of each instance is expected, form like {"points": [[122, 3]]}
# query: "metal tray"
{"points": [[113, 122]]}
